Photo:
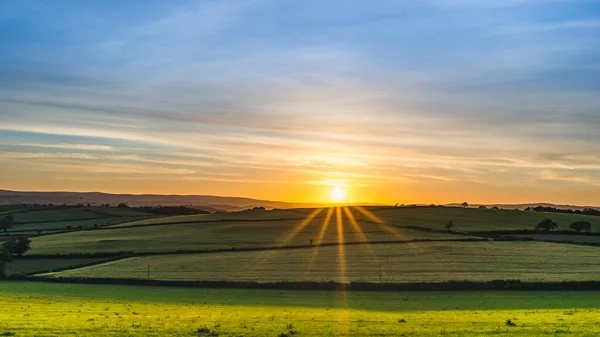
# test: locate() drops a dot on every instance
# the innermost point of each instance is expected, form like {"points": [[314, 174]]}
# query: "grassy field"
{"points": [[37, 309], [415, 262], [28, 266], [465, 219], [472, 219], [56, 226], [223, 235], [254, 215]]}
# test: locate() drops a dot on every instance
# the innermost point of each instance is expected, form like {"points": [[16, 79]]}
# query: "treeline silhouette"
{"points": [[169, 210], [355, 286], [585, 211]]}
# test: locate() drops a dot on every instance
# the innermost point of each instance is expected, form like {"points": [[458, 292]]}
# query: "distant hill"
{"points": [[523, 206], [208, 203]]}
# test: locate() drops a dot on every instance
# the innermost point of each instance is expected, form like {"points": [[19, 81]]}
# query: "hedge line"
{"points": [[496, 285], [251, 249]]}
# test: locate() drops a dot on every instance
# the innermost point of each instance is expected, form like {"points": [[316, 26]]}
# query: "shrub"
{"points": [[547, 224], [579, 226]]}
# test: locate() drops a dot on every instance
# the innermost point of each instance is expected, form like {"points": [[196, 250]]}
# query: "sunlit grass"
{"points": [[37, 309]]}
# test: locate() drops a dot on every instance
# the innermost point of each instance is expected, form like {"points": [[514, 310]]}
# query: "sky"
{"points": [[430, 101]]}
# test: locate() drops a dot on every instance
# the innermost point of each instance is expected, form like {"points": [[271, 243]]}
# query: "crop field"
{"points": [[56, 226], [472, 219], [414, 262], [465, 219], [224, 235], [28, 266], [560, 238], [101, 310], [253, 215]]}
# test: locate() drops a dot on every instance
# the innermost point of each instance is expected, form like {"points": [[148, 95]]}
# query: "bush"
{"points": [[547, 225], [580, 226]]}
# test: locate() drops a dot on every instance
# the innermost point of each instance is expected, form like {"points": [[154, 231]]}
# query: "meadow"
{"points": [[102, 310], [225, 235], [345, 245], [413, 262]]}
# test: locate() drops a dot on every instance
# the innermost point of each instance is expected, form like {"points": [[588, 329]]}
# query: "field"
{"points": [[465, 220], [415, 262], [34, 221], [28, 266], [472, 219], [343, 245], [95, 310], [221, 235]]}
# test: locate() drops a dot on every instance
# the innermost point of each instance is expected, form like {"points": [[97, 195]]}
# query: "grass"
{"points": [[255, 215], [221, 235], [465, 219], [62, 225], [29, 266], [33, 309], [558, 237], [414, 262], [472, 219], [72, 213]]}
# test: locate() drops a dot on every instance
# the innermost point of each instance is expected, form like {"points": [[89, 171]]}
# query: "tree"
{"points": [[546, 224], [6, 222], [5, 258], [482, 207], [465, 204], [123, 205], [579, 226], [449, 225], [18, 245]]}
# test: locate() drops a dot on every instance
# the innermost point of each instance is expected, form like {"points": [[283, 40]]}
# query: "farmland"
{"points": [[414, 262], [101, 310], [341, 245], [221, 235]]}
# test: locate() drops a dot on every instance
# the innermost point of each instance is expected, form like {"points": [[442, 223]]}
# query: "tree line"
{"points": [[585, 211]]}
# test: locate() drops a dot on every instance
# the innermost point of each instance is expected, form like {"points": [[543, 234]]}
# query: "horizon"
{"points": [[489, 102], [324, 204]]}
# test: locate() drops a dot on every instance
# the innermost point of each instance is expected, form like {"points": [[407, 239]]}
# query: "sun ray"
{"points": [[341, 254], [267, 256], [300, 226], [320, 239], [395, 232], [360, 233]]}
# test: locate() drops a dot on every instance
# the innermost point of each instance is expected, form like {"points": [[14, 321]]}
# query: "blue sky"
{"points": [[428, 101]]}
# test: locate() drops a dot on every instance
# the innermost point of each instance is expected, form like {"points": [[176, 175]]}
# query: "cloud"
{"points": [[88, 147]]}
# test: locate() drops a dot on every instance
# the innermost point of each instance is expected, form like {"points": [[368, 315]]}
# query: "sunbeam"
{"points": [[360, 233], [341, 254], [381, 223], [300, 226], [320, 240], [288, 237]]}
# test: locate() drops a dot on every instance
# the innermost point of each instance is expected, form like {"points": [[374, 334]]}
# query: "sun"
{"points": [[337, 194]]}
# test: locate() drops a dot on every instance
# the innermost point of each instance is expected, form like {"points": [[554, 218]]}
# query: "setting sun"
{"points": [[337, 194]]}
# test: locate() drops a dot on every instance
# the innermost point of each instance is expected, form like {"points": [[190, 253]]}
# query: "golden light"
{"points": [[337, 194]]}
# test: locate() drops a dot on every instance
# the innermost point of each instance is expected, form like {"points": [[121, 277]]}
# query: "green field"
{"points": [[74, 213], [222, 235], [415, 262], [100, 310], [254, 215], [29, 266], [358, 245], [472, 219]]}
